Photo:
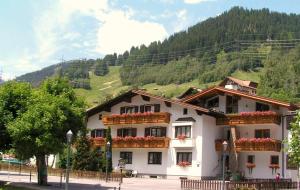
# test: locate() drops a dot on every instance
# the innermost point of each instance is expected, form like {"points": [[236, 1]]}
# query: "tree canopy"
{"points": [[41, 129]]}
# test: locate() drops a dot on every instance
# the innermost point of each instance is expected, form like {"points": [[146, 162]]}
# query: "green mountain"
{"points": [[238, 42]]}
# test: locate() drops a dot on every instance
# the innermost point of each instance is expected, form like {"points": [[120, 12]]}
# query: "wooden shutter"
{"points": [[163, 131], [134, 132], [147, 132], [105, 133], [142, 109], [136, 109], [119, 132], [156, 107], [122, 110]]}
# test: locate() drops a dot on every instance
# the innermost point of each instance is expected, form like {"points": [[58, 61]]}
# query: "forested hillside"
{"points": [[238, 40]]}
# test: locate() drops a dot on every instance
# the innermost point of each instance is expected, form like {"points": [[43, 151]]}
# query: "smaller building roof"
{"points": [[245, 83], [190, 91]]}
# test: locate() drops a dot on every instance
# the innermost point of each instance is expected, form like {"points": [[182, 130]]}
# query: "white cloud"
{"points": [[119, 32], [195, 1], [182, 20]]}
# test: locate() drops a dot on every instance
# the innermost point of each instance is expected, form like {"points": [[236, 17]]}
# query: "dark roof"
{"points": [[218, 89], [186, 119], [131, 93]]}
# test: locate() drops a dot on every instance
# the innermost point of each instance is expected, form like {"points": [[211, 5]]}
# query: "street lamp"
{"points": [[69, 139], [225, 145], [106, 161], [121, 164]]}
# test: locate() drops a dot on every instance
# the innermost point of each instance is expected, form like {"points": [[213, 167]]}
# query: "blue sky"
{"points": [[35, 34]]}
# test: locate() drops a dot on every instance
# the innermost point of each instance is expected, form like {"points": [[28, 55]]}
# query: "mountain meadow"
{"points": [[257, 45]]}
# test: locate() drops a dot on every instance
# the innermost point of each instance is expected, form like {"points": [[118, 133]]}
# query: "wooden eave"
{"points": [[218, 89]]}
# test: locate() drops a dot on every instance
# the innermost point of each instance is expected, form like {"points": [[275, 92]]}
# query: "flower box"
{"points": [[257, 144], [259, 117], [181, 137], [184, 164], [136, 118]]}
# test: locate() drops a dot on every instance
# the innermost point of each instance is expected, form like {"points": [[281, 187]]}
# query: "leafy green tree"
{"points": [[14, 100], [294, 142], [101, 68], [41, 129]]}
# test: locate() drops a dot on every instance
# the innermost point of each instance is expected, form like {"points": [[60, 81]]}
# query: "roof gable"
{"points": [[218, 89], [128, 95]]}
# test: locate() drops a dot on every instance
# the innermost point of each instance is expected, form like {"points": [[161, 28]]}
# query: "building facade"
{"points": [[183, 138]]}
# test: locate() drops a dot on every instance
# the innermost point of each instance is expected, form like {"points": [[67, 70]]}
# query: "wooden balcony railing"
{"points": [[255, 118], [219, 145], [258, 145], [136, 142], [136, 118]]}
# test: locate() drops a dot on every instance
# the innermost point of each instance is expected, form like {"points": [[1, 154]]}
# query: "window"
{"points": [[98, 133], [274, 160], [126, 156], [155, 131], [183, 130], [183, 157], [262, 133], [185, 111], [154, 157], [251, 159], [212, 103], [126, 132], [231, 104], [150, 108], [289, 164], [100, 116], [289, 120], [129, 109], [262, 107]]}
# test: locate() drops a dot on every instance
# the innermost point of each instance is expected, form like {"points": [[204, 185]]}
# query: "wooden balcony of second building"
{"points": [[259, 117], [136, 118], [135, 142]]}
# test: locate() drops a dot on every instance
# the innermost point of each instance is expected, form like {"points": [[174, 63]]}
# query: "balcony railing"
{"points": [[249, 118], [219, 145], [136, 118], [135, 142], [257, 144]]}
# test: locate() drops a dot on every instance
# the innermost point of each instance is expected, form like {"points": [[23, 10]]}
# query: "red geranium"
{"points": [[184, 164]]}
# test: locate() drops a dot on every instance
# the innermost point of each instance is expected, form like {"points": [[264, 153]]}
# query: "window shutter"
{"points": [[122, 110], [105, 133], [119, 132], [93, 133], [156, 107], [142, 109], [136, 109], [147, 132], [134, 132], [163, 131]]}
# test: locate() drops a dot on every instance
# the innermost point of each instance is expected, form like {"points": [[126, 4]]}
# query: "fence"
{"points": [[257, 184], [61, 172]]}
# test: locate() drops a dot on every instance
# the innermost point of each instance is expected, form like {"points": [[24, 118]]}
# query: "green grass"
{"points": [[110, 85], [9, 187]]}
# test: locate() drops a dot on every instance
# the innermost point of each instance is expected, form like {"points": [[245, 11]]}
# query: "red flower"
{"points": [[184, 164], [181, 137], [250, 165], [274, 166]]}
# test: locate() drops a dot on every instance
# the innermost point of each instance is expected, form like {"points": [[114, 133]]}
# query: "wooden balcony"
{"points": [[136, 142], [237, 119], [219, 146], [136, 118], [258, 145]]}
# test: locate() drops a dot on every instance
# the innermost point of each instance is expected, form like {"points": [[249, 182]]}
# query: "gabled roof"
{"points": [[133, 93], [218, 89], [190, 91], [245, 83]]}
